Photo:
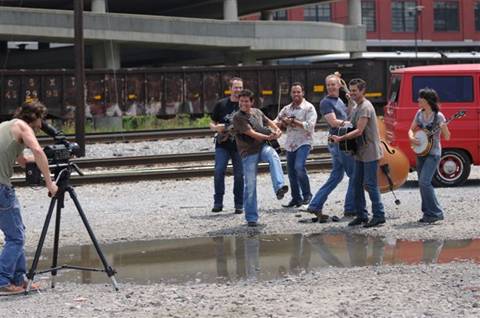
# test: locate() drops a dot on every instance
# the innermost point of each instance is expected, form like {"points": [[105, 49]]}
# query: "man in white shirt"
{"points": [[299, 118]]}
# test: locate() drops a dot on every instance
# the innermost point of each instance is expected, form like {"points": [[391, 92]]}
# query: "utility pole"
{"points": [[416, 11], [79, 75]]}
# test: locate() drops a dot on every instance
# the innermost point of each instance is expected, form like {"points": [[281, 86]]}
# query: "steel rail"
{"points": [[132, 175], [154, 159], [145, 135]]}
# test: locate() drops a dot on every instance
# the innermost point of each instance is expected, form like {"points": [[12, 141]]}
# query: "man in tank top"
{"points": [[15, 135]]}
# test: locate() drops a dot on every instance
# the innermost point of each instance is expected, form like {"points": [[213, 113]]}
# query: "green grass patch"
{"points": [[137, 123]]}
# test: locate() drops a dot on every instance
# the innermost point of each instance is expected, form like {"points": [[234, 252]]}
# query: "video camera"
{"points": [[62, 150], [58, 154]]}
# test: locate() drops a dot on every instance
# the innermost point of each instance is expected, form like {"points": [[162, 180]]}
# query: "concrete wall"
{"points": [[294, 37]]}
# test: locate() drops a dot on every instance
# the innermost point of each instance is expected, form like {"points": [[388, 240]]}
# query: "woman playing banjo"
{"points": [[429, 118]]}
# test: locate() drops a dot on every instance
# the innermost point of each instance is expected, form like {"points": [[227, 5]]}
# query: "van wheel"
{"points": [[453, 169]]}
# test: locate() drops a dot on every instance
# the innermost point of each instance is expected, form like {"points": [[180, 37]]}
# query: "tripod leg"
{"points": [[38, 252], [60, 205], [109, 270]]}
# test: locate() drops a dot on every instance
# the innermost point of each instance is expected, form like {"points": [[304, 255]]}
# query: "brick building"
{"points": [[392, 25]]}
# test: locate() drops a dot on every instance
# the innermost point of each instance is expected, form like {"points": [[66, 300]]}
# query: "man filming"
{"points": [[15, 135]]}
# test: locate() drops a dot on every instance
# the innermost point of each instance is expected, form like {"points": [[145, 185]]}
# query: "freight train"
{"points": [[166, 92]]}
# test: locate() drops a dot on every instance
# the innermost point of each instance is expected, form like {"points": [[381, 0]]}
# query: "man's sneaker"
{"points": [[217, 209], [430, 219], [320, 218], [11, 290], [375, 222], [349, 214], [306, 208], [307, 200], [238, 211], [281, 192], [252, 224], [292, 204], [358, 221]]}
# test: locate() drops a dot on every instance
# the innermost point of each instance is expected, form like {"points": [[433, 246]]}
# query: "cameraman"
{"points": [[15, 135]]}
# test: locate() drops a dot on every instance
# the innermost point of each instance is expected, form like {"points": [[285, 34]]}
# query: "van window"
{"points": [[450, 89], [394, 88]]}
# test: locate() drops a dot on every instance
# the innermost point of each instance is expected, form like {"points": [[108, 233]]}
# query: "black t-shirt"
{"points": [[223, 113]]}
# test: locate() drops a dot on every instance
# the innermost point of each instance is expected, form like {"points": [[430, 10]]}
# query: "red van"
{"points": [[458, 87]]}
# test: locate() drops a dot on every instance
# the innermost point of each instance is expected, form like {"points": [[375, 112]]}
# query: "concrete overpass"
{"points": [[218, 41], [209, 9]]}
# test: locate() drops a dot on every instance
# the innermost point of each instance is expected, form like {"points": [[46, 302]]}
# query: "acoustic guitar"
{"points": [[425, 136], [226, 135], [266, 131], [347, 145]]}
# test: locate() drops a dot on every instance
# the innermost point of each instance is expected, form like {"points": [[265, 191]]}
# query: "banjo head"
{"points": [[423, 146]]}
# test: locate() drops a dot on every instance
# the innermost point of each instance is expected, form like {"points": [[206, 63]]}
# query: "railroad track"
{"points": [[320, 160], [112, 137], [154, 160], [167, 173]]}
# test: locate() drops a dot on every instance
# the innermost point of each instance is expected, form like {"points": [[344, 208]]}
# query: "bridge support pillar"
{"points": [[230, 10], [106, 54], [99, 6], [248, 58], [355, 18]]}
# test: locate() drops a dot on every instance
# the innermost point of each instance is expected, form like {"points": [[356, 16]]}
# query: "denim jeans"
{"points": [[365, 178], [250, 167], [222, 156], [12, 259], [297, 173], [341, 163], [426, 167]]}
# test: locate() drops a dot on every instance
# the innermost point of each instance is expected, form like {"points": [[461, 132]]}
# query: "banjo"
{"points": [[425, 136]]}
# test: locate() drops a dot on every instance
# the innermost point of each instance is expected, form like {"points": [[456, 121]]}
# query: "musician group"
{"points": [[246, 136]]}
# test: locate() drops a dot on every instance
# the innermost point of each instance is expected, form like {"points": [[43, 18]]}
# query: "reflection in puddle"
{"points": [[257, 257]]}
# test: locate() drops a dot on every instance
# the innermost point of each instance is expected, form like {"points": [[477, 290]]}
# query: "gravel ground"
{"points": [[167, 146], [450, 290], [181, 209]]}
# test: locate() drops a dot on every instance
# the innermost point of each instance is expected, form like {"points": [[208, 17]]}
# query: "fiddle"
{"points": [[393, 168]]}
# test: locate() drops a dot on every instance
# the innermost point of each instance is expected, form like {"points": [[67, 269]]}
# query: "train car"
{"points": [[166, 92]]}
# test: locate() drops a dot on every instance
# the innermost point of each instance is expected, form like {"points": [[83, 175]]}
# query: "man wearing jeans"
{"points": [[251, 136], [15, 135], [368, 153], [299, 117], [335, 113], [225, 148]]}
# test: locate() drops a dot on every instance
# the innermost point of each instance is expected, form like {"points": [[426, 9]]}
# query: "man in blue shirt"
{"points": [[336, 114]]}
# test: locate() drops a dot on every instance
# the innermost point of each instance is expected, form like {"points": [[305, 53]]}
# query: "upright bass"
{"points": [[393, 168]]}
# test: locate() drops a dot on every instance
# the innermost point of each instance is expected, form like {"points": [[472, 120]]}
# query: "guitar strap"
{"points": [[433, 124], [266, 131], [360, 140], [257, 127]]}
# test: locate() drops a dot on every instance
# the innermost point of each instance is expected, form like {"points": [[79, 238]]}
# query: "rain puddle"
{"points": [[258, 257]]}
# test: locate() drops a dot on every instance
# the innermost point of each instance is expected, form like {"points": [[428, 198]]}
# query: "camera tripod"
{"points": [[62, 174]]}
